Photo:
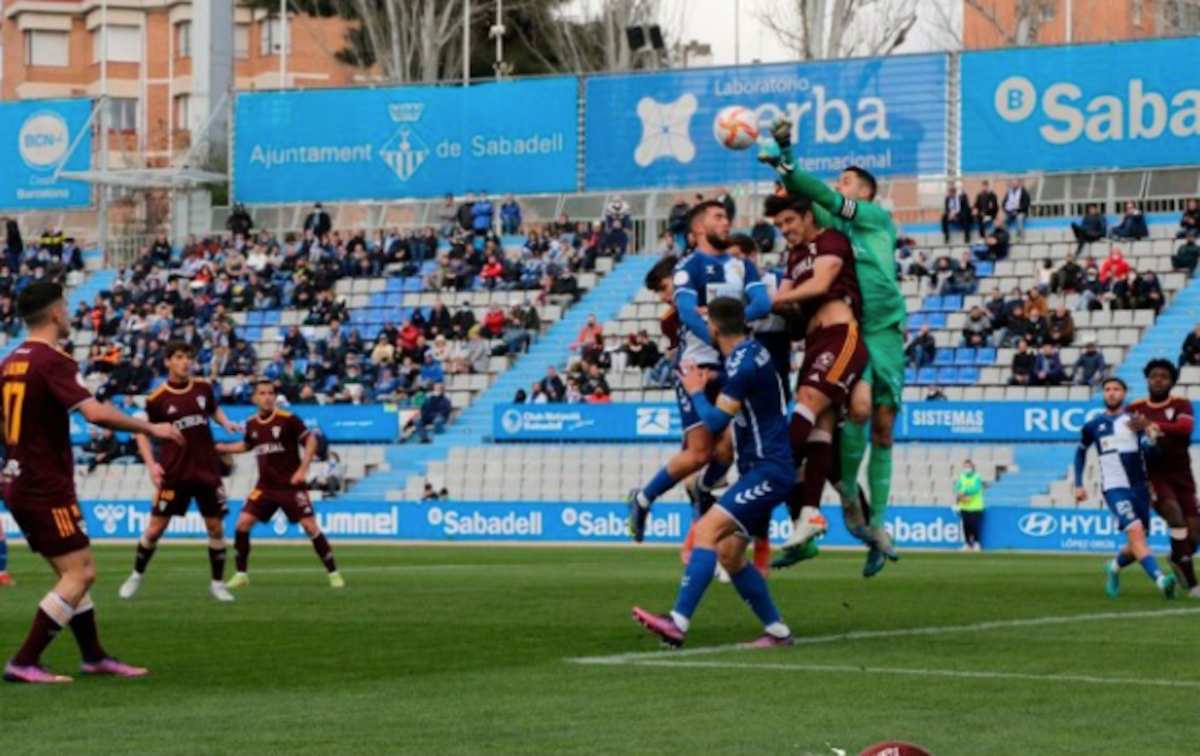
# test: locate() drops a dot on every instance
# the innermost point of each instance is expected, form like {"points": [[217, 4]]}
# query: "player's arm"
{"points": [[715, 418], [1081, 451], [310, 451], [758, 300], [146, 451], [235, 447], [1183, 424], [686, 302], [825, 271], [224, 421], [108, 416]]}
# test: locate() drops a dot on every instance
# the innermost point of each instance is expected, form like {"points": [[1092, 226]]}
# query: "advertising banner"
{"points": [[1118, 105], [926, 527], [36, 136], [657, 129], [918, 421], [402, 142]]}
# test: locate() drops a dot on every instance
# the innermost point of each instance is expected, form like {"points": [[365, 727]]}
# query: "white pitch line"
{"points": [[363, 570], [855, 635], [965, 674]]}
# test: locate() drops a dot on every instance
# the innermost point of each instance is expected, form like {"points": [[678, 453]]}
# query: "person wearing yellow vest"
{"points": [[969, 490]]}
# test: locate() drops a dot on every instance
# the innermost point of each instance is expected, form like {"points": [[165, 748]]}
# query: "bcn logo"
{"points": [[1143, 113], [43, 140]]}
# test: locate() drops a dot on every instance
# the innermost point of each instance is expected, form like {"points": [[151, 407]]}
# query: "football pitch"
{"points": [[437, 650]]}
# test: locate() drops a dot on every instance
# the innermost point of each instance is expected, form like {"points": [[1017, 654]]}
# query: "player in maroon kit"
{"points": [[181, 474], [275, 437], [39, 386], [1168, 420], [820, 294]]}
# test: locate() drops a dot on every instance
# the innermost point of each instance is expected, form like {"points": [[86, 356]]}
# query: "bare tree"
{"points": [[594, 40], [818, 29], [1020, 30]]}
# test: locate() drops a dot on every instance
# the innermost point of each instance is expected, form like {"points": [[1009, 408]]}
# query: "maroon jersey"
{"points": [[1174, 417], [801, 261], [188, 408], [275, 441], [40, 385]]}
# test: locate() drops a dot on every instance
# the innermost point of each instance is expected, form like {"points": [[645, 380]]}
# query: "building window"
{"points": [[183, 39], [272, 37], [241, 41], [183, 107], [123, 114], [124, 44], [46, 48]]}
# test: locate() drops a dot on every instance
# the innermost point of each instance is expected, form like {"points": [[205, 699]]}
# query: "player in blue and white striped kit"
{"points": [[1120, 441]]}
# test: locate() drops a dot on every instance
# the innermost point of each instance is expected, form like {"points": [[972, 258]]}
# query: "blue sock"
{"points": [[658, 485], [712, 474], [1150, 565], [1124, 560], [696, 577], [3, 554], [753, 589]]}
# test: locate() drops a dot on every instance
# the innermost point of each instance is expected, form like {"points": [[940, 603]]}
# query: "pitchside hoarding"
{"points": [[656, 129], [403, 142], [36, 136], [1118, 105]]}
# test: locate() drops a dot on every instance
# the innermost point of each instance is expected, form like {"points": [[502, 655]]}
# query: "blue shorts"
{"points": [[755, 495], [688, 416], [1129, 505]]}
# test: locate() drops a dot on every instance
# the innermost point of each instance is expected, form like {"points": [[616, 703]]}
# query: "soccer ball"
{"points": [[735, 127]]}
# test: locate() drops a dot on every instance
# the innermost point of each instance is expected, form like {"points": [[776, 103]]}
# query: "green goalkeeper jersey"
{"points": [[873, 236]]}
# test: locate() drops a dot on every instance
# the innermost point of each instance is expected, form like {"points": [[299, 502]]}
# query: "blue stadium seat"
{"points": [[965, 356], [272, 317], [985, 356], [910, 375], [412, 283], [932, 303], [943, 357], [935, 319], [916, 320], [967, 376], [395, 285], [393, 300], [926, 375], [985, 268], [378, 300], [947, 375], [952, 303], [254, 318]]}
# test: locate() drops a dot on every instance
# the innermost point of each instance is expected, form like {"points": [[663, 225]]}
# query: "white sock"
{"points": [[642, 501], [778, 630], [680, 621], [1113, 567]]}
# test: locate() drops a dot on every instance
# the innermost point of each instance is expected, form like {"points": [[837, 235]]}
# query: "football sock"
{"points": [[686, 552], [1123, 560], [216, 558], [879, 475], [324, 551], [1181, 555], [696, 577], [799, 428], [241, 548], [3, 554], [1150, 565], [752, 588], [52, 614], [145, 552], [713, 474], [83, 624], [852, 447], [819, 455], [762, 555], [658, 485]]}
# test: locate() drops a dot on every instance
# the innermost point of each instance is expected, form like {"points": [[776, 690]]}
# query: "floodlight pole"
{"points": [[466, 43], [102, 221], [283, 24]]}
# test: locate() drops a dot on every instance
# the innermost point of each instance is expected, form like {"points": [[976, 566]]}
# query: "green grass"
{"points": [[463, 650]]}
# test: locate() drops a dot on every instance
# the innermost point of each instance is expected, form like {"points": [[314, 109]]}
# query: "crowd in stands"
{"points": [[50, 256]]}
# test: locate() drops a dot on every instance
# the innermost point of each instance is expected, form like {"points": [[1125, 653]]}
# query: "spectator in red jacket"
{"points": [[493, 322], [492, 272], [1114, 267], [410, 335], [587, 334]]}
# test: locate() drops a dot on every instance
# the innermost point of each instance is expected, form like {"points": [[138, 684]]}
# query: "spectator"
{"points": [[329, 475], [318, 222], [1186, 256], [1067, 278], [573, 394], [594, 386], [1190, 220], [1045, 276], [997, 309], [1132, 225], [510, 216], [935, 394], [677, 222], [725, 198], [587, 334], [1016, 206], [239, 224], [1124, 292], [520, 397], [987, 208], [435, 413], [1062, 327], [447, 217], [103, 447], [1038, 332], [968, 491], [1090, 367], [1091, 228], [1017, 328], [977, 331], [493, 322], [384, 352], [1189, 354], [921, 348], [956, 213], [995, 243], [1114, 267], [476, 353], [1147, 292], [465, 214], [1022, 365], [1048, 368], [962, 280], [1092, 291], [552, 385], [482, 214]]}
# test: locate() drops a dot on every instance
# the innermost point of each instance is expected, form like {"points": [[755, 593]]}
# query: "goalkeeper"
{"points": [[851, 209]]}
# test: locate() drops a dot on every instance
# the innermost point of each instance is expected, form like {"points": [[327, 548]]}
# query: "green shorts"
{"points": [[885, 366]]}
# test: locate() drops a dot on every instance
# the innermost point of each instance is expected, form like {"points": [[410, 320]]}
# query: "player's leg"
{"points": [[217, 552], [886, 348], [698, 445], [804, 500], [700, 491], [5, 578], [807, 521], [856, 510], [1167, 504], [146, 547], [241, 545], [324, 551], [1132, 510], [76, 572]]}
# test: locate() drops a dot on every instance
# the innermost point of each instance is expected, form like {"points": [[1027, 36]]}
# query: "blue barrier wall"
{"points": [[887, 114], [1019, 528], [37, 134], [1087, 106], [918, 421], [342, 144]]}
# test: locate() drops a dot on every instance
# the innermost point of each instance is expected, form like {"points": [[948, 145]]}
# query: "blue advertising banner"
{"points": [[36, 136], [885, 114], [1085, 106], [346, 144], [918, 421], [926, 527], [340, 423]]}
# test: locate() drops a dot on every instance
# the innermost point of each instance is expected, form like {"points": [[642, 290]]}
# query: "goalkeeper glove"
{"points": [[781, 132]]}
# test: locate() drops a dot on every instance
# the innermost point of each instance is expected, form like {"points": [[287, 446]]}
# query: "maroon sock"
{"points": [[1181, 557], [324, 551], [817, 467], [83, 624], [142, 560], [46, 626], [241, 548], [216, 561], [799, 428]]}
